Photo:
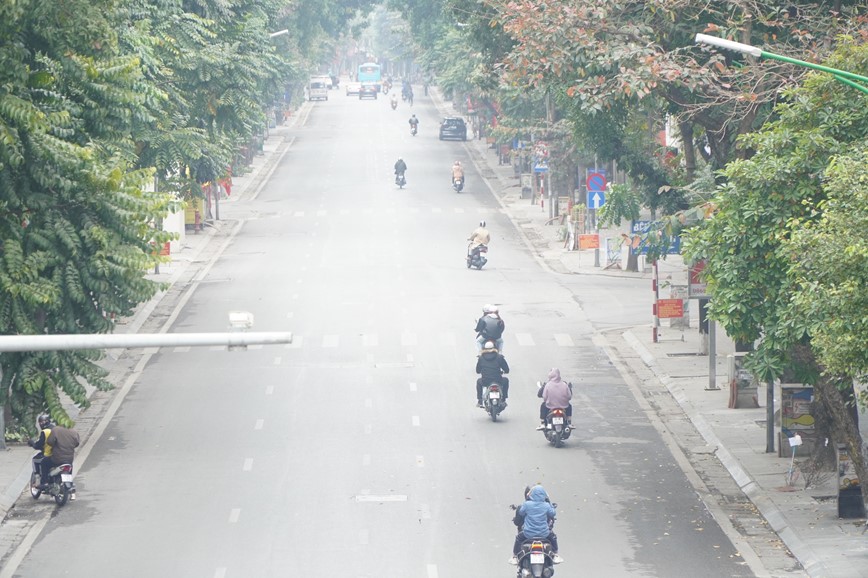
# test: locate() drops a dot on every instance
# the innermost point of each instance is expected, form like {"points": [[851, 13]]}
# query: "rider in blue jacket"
{"points": [[536, 516]]}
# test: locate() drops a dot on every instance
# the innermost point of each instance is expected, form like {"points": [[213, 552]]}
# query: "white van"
{"points": [[318, 88]]}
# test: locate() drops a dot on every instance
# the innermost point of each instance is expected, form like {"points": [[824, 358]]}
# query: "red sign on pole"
{"points": [[670, 308], [696, 287]]}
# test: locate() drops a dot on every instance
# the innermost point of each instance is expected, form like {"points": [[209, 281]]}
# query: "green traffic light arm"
{"points": [[847, 78]]}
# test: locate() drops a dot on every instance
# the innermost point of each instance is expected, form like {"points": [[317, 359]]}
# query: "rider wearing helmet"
{"points": [[457, 172], [41, 444], [400, 168], [414, 122], [492, 367], [479, 236], [490, 327]]}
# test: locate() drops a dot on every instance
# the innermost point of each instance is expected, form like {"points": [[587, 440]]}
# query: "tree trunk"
{"points": [[840, 405], [689, 148]]}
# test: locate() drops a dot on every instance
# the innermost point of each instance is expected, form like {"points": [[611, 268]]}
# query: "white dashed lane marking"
{"points": [[416, 420], [259, 424], [564, 339], [234, 515], [524, 339], [269, 390], [248, 465]]}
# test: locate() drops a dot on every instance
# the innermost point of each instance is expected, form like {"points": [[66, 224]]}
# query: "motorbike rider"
{"points": [[63, 442], [492, 367], [556, 394], [400, 169], [394, 100], [414, 122], [535, 516], [490, 327], [40, 443], [479, 236], [457, 172]]}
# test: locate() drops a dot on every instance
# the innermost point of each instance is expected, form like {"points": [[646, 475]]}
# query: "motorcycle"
{"points": [[458, 184], [535, 559], [413, 130], [400, 180], [557, 426], [477, 257], [394, 104], [493, 401], [59, 484]]}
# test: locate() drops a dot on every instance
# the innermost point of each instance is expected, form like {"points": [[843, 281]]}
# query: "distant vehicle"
{"points": [[318, 88], [353, 88], [369, 73], [367, 91], [454, 128]]}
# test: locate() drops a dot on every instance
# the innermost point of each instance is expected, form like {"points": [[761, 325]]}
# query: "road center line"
{"points": [[234, 515]]}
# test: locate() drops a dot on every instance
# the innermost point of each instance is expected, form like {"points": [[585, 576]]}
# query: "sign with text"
{"points": [[589, 241], [670, 308], [697, 288]]}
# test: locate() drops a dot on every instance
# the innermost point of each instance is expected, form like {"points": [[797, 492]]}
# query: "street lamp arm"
{"points": [[729, 45], [136, 340], [847, 78]]}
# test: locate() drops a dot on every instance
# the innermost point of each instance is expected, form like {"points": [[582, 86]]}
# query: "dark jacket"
{"points": [[490, 327], [63, 442], [491, 365], [400, 167]]}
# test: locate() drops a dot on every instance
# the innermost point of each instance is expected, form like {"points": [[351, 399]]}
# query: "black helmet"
{"points": [[44, 420]]}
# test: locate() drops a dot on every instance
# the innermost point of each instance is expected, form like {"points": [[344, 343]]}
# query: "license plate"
{"points": [[558, 421], [494, 395], [65, 478], [536, 558]]}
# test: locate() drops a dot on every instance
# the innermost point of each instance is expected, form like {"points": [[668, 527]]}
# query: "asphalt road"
{"points": [[357, 452]]}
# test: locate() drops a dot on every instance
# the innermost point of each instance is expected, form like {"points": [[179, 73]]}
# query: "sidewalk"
{"points": [[805, 519]]}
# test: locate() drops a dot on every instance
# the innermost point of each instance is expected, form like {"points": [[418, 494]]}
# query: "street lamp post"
{"points": [[847, 78]]}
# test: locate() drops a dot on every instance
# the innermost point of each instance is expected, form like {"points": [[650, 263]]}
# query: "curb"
{"points": [[770, 511]]}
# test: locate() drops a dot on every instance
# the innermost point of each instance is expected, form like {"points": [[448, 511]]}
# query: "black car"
{"points": [[453, 128], [368, 91]]}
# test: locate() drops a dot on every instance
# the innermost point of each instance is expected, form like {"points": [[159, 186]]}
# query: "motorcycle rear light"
{"points": [[537, 547], [66, 469], [494, 388]]}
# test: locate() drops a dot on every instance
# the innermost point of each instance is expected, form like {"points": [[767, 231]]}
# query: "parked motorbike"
{"points": [[458, 184], [477, 257], [492, 400], [400, 180], [59, 484]]}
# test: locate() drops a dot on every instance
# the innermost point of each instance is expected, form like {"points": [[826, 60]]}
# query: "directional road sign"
{"points": [[596, 199]]}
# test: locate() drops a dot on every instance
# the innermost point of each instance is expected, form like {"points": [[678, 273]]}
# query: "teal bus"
{"points": [[369, 73]]}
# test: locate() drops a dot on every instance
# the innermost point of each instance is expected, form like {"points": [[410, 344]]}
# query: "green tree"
{"points": [[772, 209], [76, 223]]}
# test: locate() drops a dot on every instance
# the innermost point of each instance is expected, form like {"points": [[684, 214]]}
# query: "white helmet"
{"points": [[487, 308], [492, 309], [489, 345]]}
